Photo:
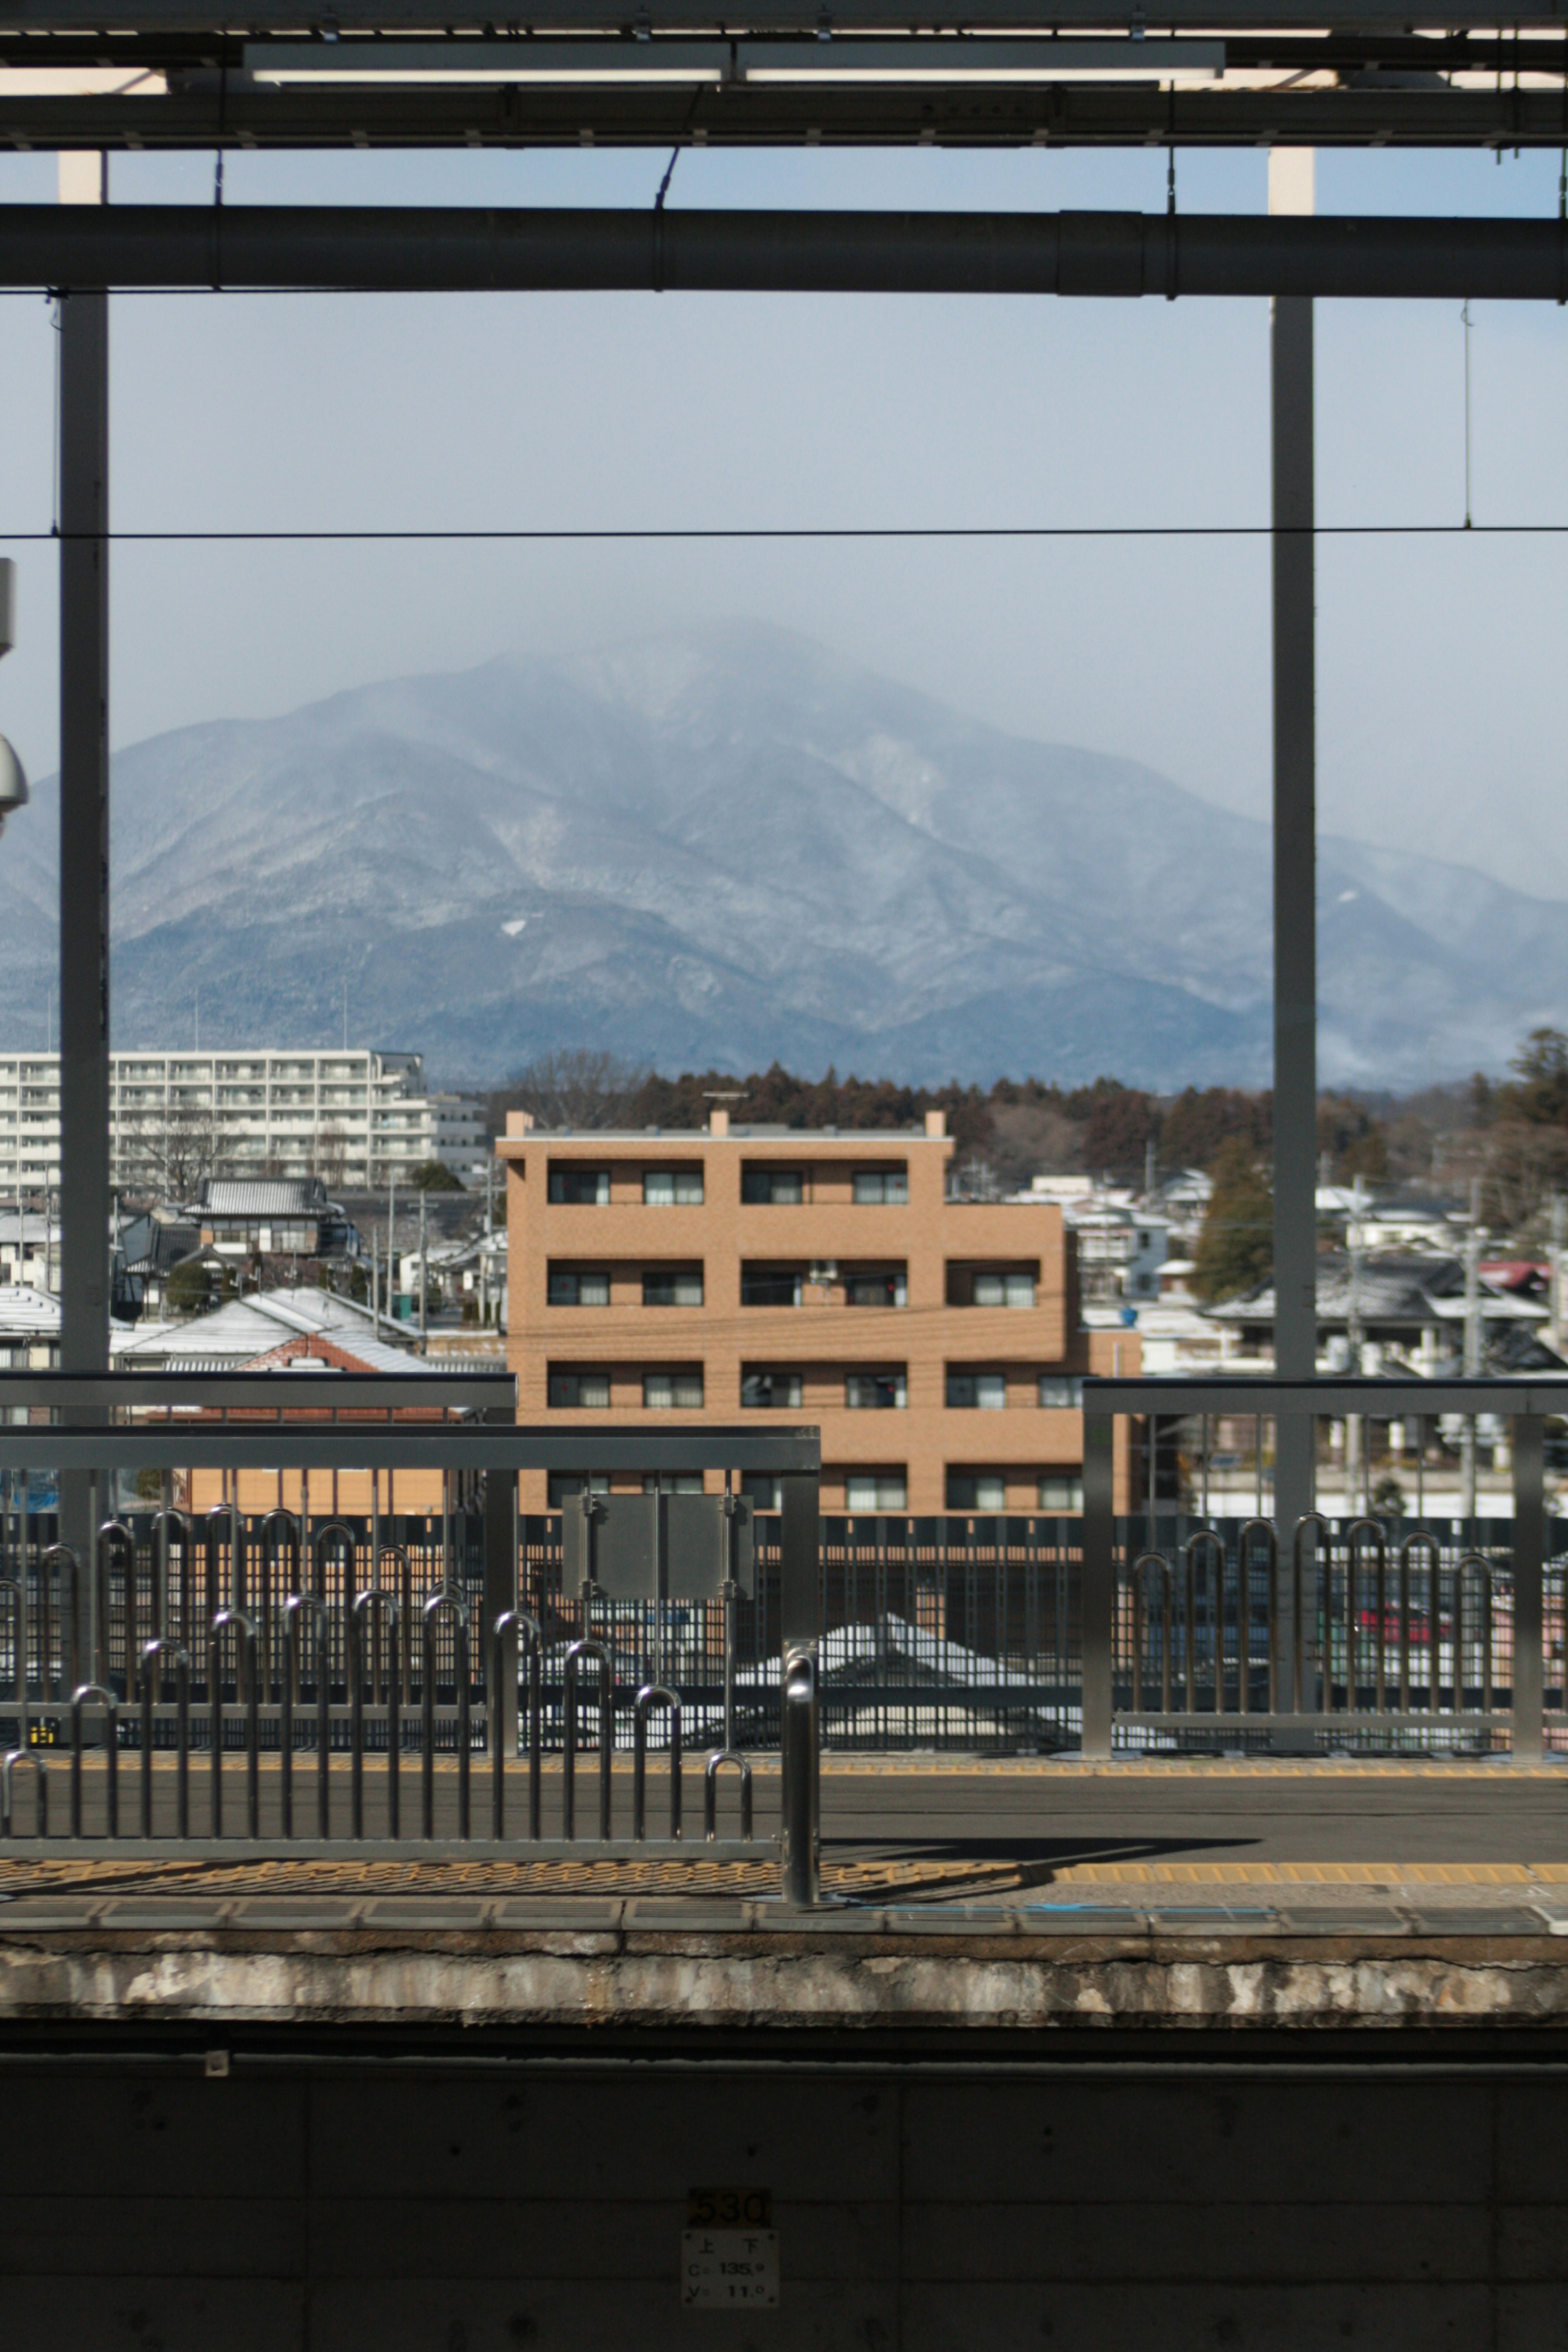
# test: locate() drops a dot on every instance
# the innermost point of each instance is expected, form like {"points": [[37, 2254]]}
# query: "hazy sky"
{"points": [[1444, 724]]}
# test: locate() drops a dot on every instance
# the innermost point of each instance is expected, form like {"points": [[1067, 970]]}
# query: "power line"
{"points": [[751, 532]]}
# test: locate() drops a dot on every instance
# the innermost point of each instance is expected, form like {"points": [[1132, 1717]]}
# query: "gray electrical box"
{"points": [[640, 1547]]}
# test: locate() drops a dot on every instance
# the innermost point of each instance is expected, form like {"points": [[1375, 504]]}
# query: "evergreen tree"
{"points": [[1236, 1244]]}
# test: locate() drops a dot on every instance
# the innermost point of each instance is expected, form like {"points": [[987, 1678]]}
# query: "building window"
{"points": [[581, 1391], [875, 1290], [762, 1490], [578, 1289], [672, 1392], [582, 1188], [782, 1187], [771, 1391], [763, 1286], [875, 1490], [1062, 1490], [666, 1289], [565, 1484], [874, 1391], [987, 1392], [672, 1188], [882, 1187], [976, 1490], [1004, 1290], [672, 1482], [1060, 1391]]}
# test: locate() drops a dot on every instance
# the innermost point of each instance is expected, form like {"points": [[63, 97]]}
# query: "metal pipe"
{"points": [[33, 1757], [460, 1608], [577, 1655], [650, 1695], [800, 1856], [518, 1624], [458, 249], [159, 1648], [96, 1694], [716, 1762]]}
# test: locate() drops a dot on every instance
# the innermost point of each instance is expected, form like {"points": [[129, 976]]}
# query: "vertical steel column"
{"points": [[1529, 1576], [800, 1720], [1099, 1583], [84, 871], [501, 1580], [1295, 889]]}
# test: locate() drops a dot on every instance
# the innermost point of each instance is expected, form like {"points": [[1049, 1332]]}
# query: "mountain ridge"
{"points": [[716, 847]]}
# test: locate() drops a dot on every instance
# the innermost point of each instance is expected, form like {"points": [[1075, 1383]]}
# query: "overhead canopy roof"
{"points": [[177, 73]]}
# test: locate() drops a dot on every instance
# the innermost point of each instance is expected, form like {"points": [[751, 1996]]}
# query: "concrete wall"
{"points": [[293, 2208]]}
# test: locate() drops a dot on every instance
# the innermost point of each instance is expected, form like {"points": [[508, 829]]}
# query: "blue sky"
{"points": [[1442, 721]]}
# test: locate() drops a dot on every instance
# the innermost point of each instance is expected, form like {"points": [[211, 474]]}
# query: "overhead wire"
{"points": [[659, 533]]}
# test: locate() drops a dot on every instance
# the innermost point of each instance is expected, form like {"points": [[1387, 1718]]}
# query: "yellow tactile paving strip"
{"points": [[1311, 1873]]}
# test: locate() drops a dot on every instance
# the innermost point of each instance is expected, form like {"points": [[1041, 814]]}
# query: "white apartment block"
{"points": [[354, 1118]]}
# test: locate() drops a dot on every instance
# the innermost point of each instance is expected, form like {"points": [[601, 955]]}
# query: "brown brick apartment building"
{"points": [[806, 1274]]}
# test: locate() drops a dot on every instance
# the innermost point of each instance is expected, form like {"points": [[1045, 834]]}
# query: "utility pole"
{"points": [[374, 1285], [424, 1293], [1555, 1270], [1472, 1345], [485, 1251], [392, 1241], [1149, 1170]]}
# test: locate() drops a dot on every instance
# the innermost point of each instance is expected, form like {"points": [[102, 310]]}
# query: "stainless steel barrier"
{"points": [[1308, 1629], [285, 1640]]}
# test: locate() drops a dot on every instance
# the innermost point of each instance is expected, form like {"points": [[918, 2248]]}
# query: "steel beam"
{"points": [[394, 250], [221, 112], [149, 20], [84, 867], [795, 1454]]}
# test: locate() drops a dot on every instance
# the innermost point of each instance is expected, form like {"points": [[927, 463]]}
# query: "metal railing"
{"points": [[1361, 1629], [317, 1686]]}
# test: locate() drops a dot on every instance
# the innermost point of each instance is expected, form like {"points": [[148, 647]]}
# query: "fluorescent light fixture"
{"points": [[916, 61], [942, 59], [566, 63]]}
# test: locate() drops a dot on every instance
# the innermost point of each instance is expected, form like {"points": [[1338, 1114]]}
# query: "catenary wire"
{"points": [[751, 531]]}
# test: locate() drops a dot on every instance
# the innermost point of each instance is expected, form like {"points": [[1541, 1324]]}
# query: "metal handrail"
{"points": [[716, 1762], [579, 1653], [518, 1624], [295, 1610], [96, 1694], [433, 1609], [246, 1678], [152, 1652], [376, 1612], [650, 1695], [25, 1756]]}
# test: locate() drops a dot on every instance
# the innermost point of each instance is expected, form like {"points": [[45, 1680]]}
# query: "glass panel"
{"points": [[761, 1286], [1061, 1492], [672, 1392], [1061, 1392], [672, 1289], [879, 1186], [771, 1391], [874, 1391], [780, 1186], [580, 1187]]}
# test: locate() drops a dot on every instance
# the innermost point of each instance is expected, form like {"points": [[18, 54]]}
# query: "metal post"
{"points": [[1295, 884], [1098, 1603], [500, 1584], [1529, 1573], [84, 867], [1472, 1356], [800, 1721], [424, 1272]]}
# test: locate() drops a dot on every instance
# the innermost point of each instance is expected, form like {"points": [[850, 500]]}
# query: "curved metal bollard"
{"points": [[575, 1655], [375, 1610], [171, 1526], [33, 1757], [650, 1695], [113, 1536], [460, 1608], [95, 1694], [716, 1762], [526, 1628], [1141, 1566], [1248, 1536], [800, 1858], [248, 1677], [1325, 1539], [152, 1652], [61, 1558], [298, 1606], [277, 1540]]}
